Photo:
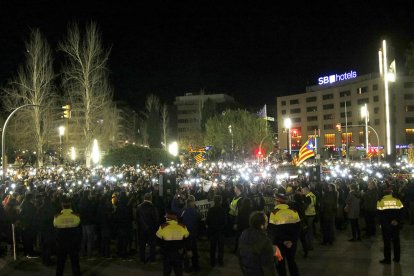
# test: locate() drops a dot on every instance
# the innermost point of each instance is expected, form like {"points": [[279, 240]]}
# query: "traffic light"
{"points": [[259, 152], [66, 111]]}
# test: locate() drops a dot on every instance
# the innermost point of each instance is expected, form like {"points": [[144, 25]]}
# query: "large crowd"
{"points": [[123, 210]]}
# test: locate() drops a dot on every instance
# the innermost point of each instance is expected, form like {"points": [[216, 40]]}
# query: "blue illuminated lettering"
{"points": [[336, 77]]}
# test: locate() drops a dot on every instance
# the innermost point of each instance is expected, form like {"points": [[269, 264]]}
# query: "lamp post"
{"points": [[365, 114], [61, 133], [288, 124], [232, 141]]}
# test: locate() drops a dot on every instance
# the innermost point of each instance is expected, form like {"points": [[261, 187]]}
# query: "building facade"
{"points": [[332, 112], [189, 112]]}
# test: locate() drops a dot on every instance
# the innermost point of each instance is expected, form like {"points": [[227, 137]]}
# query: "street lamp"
{"points": [[365, 114], [232, 141], [288, 124], [61, 133]]}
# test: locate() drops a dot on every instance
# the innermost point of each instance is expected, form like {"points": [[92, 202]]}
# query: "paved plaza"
{"points": [[343, 258]]}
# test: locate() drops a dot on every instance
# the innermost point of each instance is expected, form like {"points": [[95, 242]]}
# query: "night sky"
{"points": [[254, 53]]}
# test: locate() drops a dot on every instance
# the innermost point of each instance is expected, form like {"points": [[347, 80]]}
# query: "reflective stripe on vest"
{"points": [[389, 202]]}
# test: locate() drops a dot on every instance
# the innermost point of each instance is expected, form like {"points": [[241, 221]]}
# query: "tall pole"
{"points": [[346, 131], [3, 138], [366, 129], [290, 143]]}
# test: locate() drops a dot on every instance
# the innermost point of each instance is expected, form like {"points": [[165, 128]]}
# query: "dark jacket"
{"points": [[256, 253], [147, 217], [191, 218], [27, 214], [242, 219], [216, 220], [369, 200], [329, 205], [353, 203], [87, 211]]}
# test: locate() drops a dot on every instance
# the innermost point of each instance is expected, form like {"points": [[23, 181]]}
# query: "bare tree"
{"points": [[85, 79], [152, 106], [33, 85], [164, 118]]}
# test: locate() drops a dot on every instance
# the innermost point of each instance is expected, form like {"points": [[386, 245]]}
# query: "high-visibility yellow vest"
{"points": [[283, 215], [389, 202], [66, 219], [310, 210], [233, 207]]}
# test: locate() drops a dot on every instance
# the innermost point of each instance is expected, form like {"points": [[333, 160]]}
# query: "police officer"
{"points": [[390, 213], [174, 242], [284, 231], [68, 238]]}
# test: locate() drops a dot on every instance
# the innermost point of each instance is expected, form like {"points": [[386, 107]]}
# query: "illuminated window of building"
{"points": [[344, 135], [329, 140], [409, 135]]}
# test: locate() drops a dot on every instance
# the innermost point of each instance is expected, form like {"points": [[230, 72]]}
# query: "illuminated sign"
{"points": [[336, 77]]}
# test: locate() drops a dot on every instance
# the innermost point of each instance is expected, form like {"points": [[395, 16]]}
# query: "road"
{"points": [[343, 258]]}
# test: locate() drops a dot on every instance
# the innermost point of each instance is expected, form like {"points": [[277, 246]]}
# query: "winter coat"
{"points": [[329, 205], [353, 204], [147, 217], [256, 253], [191, 218], [369, 200], [216, 220]]}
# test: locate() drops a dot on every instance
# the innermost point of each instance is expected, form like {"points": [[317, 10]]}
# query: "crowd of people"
{"points": [[145, 212]]}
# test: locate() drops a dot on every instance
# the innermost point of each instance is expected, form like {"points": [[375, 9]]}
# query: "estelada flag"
{"points": [[306, 151]]}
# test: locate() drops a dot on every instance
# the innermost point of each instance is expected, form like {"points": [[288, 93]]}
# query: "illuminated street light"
{"points": [[365, 114], [73, 153], [95, 152], [389, 75], [288, 124], [173, 148]]}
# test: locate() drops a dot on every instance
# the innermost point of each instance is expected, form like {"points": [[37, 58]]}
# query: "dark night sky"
{"points": [[251, 52]]}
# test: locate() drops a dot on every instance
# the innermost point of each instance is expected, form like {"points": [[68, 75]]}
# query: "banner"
{"points": [[203, 206]]}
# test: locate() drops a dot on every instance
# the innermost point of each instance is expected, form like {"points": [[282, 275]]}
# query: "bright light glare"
{"points": [[173, 148], [95, 152]]}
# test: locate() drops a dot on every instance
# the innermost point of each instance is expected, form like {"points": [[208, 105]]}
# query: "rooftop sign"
{"points": [[335, 78]]}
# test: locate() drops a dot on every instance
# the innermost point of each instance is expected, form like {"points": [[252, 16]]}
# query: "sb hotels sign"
{"points": [[336, 77]]}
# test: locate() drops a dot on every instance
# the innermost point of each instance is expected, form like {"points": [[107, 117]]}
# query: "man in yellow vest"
{"points": [[390, 214], [174, 243], [284, 231], [68, 238], [310, 213]]}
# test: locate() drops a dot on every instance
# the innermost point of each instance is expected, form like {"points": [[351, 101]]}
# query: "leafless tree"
{"points": [[86, 84], [152, 106], [33, 84], [164, 118]]}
